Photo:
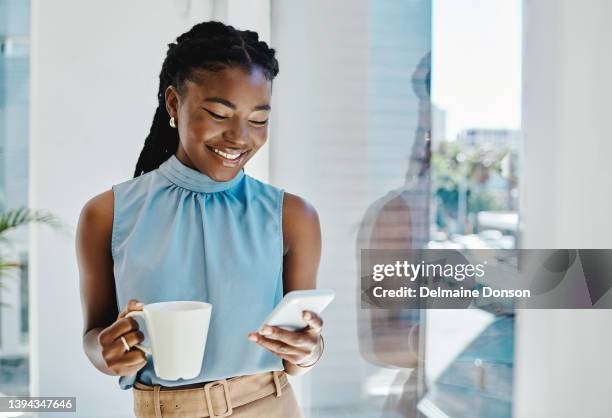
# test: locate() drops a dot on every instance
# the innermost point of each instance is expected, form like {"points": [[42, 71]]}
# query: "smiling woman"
{"points": [[191, 225], [221, 119]]}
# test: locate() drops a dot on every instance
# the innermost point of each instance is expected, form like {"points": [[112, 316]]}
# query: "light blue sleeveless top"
{"points": [[180, 235]]}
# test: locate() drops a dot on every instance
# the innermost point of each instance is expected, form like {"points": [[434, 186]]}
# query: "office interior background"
{"points": [[511, 95]]}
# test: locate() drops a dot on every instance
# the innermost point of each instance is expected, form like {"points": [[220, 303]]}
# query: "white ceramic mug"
{"points": [[177, 333]]}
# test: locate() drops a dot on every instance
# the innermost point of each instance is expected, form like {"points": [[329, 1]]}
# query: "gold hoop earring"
{"points": [[172, 122]]}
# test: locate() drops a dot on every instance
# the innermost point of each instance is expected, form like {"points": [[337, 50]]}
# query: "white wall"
{"points": [[563, 365]]}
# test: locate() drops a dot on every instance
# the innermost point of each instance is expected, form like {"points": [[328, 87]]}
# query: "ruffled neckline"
{"points": [[181, 175]]}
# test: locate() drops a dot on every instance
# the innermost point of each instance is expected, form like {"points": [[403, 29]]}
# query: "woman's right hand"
{"points": [[117, 359]]}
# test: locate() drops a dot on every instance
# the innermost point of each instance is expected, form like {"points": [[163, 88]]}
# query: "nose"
{"points": [[238, 132]]}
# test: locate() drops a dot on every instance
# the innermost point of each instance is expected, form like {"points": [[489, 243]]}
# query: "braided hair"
{"points": [[211, 46]]}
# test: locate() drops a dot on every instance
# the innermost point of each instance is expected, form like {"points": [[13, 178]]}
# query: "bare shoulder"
{"points": [[94, 256], [297, 209], [97, 214], [300, 221]]}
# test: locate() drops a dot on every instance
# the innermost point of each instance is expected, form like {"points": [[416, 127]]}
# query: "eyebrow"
{"points": [[233, 106]]}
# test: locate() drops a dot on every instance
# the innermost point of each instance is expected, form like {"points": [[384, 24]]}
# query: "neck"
{"points": [[184, 158]]}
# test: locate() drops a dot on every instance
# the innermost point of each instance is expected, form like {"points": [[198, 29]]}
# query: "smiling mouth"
{"points": [[228, 155]]}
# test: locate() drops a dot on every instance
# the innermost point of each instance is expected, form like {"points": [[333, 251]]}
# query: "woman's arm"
{"points": [[302, 253], [98, 299], [302, 246], [388, 337]]}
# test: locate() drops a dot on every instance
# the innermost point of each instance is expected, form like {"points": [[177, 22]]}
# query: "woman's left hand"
{"points": [[298, 347]]}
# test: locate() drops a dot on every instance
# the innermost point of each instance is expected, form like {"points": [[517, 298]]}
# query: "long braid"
{"points": [[210, 46]]}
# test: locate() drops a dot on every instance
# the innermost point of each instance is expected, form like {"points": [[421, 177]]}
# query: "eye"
{"points": [[214, 115], [259, 123]]}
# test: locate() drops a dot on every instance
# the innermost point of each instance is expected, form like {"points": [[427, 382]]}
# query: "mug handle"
{"points": [[145, 349]]}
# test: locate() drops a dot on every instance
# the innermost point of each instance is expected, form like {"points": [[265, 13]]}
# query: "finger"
{"points": [[294, 338], [292, 358], [280, 348], [130, 358], [116, 349], [314, 321], [134, 358], [132, 305], [117, 329], [132, 338]]}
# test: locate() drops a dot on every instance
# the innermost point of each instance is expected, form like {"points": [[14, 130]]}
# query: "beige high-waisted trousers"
{"points": [[252, 396]]}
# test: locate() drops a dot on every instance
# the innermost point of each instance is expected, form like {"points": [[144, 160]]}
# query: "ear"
{"points": [[172, 101]]}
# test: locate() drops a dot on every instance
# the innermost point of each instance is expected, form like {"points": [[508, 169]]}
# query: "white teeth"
{"points": [[227, 155]]}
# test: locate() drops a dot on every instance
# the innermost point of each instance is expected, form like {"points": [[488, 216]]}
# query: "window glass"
{"points": [[400, 122], [14, 122]]}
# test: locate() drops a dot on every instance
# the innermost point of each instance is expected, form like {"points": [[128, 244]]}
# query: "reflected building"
{"points": [[489, 139]]}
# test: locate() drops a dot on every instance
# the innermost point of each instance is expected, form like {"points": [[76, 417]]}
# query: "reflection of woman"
{"points": [[400, 221], [192, 225]]}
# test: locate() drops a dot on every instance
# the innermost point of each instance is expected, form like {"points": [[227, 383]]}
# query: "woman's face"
{"points": [[222, 119]]}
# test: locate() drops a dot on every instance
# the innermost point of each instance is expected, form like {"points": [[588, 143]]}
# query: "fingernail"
{"points": [[252, 337], [265, 331], [139, 304], [307, 315]]}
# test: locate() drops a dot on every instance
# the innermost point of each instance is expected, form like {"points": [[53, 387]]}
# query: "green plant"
{"points": [[464, 172], [13, 219]]}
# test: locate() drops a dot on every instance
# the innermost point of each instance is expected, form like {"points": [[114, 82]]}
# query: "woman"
{"points": [[191, 225]]}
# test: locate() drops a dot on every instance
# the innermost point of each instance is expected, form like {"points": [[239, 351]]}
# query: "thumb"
{"points": [[132, 305]]}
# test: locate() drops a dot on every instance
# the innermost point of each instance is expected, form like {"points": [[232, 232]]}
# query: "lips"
{"points": [[228, 156]]}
